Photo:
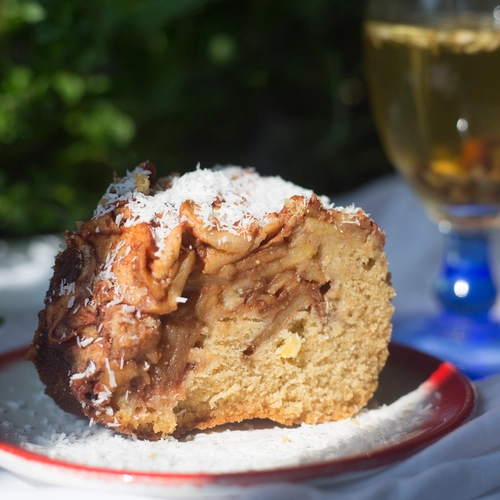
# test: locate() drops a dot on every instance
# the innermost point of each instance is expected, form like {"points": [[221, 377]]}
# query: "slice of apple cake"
{"points": [[214, 297]]}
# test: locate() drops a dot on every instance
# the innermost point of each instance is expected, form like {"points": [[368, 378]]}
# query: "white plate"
{"points": [[420, 399]]}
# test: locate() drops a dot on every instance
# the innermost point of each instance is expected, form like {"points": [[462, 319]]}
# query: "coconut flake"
{"points": [[66, 288], [111, 373], [90, 370]]}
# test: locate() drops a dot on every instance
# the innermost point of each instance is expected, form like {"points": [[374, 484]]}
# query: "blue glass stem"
{"points": [[463, 332], [465, 285]]}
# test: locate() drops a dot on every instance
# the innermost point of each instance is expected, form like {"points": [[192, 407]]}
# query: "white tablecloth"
{"points": [[463, 465]]}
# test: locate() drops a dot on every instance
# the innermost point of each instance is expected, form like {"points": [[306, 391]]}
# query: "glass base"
{"points": [[464, 217], [472, 344]]}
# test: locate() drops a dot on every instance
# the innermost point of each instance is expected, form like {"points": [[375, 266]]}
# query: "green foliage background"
{"points": [[88, 88]]}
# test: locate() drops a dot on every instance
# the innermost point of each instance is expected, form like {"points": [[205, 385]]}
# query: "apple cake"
{"points": [[214, 297]]}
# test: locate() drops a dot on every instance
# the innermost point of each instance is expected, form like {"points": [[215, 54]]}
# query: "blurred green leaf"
{"points": [[17, 12], [70, 86], [222, 48], [101, 124], [32, 12], [17, 80]]}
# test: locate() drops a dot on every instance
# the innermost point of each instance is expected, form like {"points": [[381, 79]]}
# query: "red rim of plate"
{"points": [[456, 407]]}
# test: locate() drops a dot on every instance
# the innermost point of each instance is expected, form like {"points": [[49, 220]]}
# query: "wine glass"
{"points": [[433, 69]]}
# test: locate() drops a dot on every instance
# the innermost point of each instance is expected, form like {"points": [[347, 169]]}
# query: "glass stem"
{"points": [[465, 285]]}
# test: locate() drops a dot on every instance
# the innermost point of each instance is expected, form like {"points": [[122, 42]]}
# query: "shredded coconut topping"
{"points": [[229, 199]]}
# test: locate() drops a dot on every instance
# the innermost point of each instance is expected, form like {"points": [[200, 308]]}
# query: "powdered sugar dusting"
{"points": [[31, 420]]}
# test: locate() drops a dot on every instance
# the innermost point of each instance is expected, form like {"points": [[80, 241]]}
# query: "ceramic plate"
{"points": [[420, 399]]}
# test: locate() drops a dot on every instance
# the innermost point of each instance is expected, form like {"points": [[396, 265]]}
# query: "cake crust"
{"points": [[160, 323]]}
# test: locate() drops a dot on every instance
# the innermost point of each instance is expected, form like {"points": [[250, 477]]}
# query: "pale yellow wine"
{"points": [[435, 94]]}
